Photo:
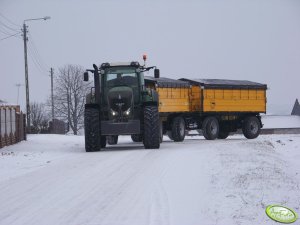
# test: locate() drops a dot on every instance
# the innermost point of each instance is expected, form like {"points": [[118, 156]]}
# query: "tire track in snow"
{"points": [[159, 209], [48, 190], [95, 188], [136, 195]]}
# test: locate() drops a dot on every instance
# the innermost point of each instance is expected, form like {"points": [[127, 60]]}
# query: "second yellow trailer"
{"points": [[217, 107]]}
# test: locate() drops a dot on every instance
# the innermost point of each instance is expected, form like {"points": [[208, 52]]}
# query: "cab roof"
{"points": [[115, 64]]}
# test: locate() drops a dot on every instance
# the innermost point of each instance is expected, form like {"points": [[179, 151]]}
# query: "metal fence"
{"points": [[12, 125]]}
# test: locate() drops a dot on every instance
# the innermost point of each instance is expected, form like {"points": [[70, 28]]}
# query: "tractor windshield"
{"points": [[118, 78], [121, 77]]}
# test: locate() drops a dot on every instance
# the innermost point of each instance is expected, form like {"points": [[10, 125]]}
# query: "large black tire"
{"points": [[151, 127], [112, 139], [223, 134], [169, 133], [92, 130], [178, 129], [137, 137], [251, 127], [210, 128]]}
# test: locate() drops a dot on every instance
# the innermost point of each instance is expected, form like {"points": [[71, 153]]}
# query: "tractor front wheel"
{"points": [[93, 140], [151, 138]]}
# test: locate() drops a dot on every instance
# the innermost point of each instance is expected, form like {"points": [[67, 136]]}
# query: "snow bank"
{"points": [[281, 121]]}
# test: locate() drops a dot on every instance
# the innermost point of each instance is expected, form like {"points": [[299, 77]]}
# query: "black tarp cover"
{"points": [[228, 84]]}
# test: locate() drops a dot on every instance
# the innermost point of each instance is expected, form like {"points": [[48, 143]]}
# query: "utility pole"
{"points": [[26, 76], [25, 39], [69, 101], [52, 97], [18, 85]]}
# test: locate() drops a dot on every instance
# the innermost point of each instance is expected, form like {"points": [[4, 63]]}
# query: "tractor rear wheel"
{"points": [[210, 128], [93, 140], [112, 139], [251, 127], [137, 137], [178, 129], [151, 127]]}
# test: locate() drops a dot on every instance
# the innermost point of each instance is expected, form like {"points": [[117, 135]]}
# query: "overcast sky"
{"points": [[252, 40]]}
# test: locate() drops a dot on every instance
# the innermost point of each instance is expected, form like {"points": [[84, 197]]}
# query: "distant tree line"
{"points": [[69, 99]]}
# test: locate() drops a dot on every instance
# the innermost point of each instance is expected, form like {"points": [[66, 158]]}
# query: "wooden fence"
{"points": [[12, 125]]}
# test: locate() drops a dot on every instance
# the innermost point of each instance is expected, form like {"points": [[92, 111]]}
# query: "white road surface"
{"points": [[50, 179]]}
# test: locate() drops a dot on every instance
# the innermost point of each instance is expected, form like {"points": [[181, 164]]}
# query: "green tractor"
{"points": [[119, 104]]}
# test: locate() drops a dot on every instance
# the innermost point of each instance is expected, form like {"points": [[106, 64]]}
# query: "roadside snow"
{"points": [[288, 121], [49, 179]]}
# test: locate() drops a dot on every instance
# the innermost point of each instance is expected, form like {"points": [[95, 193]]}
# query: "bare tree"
{"points": [[69, 95], [39, 118]]}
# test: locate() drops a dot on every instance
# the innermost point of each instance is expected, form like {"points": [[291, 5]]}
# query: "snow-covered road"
{"points": [[50, 179]]}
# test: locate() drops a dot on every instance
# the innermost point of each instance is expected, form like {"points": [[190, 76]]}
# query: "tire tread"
{"points": [[151, 138]]}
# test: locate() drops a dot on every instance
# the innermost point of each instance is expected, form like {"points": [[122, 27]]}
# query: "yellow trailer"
{"points": [[174, 95], [213, 95], [217, 107]]}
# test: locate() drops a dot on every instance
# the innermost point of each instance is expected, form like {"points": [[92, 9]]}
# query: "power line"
{"points": [[10, 36], [8, 27], [36, 52], [10, 21], [35, 55], [3, 32], [36, 62], [36, 58]]}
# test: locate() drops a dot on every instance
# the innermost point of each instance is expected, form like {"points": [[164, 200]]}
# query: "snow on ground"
{"points": [[287, 121], [50, 179]]}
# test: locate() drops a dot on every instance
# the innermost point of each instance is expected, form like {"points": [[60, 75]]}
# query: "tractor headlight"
{"points": [[114, 113], [127, 112]]}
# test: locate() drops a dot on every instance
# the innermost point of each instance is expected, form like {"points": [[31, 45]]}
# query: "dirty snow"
{"points": [[50, 179]]}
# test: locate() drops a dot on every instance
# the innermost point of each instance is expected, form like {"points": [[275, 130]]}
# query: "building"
{"points": [[12, 124], [296, 108]]}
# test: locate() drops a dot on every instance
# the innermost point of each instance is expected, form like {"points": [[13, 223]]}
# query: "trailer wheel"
{"points": [[178, 129], [169, 133], [223, 134], [93, 140], [151, 127], [137, 137], [210, 128], [112, 139], [251, 127]]}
